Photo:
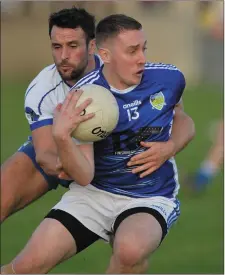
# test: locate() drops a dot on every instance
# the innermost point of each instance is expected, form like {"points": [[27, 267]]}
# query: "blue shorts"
{"points": [[53, 182]]}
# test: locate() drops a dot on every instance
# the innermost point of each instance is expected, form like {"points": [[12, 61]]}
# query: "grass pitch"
{"points": [[194, 244]]}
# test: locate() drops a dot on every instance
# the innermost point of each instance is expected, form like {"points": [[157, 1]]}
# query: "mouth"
{"points": [[140, 72], [66, 67]]}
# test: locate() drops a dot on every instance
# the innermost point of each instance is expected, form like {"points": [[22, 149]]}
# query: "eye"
{"points": [[56, 46], [74, 46], [144, 49], [133, 51]]}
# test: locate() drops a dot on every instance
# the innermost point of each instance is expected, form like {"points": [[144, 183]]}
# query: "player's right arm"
{"points": [[39, 108], [45, 148], [77, 160]]}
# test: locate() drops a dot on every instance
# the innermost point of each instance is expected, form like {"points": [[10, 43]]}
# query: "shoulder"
{"points": [[46, 81], [90, 78], [167, 73], [162, 68]]}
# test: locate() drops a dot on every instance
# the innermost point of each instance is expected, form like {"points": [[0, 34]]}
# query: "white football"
{"points": [[106, 110]]}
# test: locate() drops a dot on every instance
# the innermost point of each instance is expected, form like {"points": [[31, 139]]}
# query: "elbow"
{"points": [[190, 125], [89, 176], [87, 180], [193, 131], [40, 159]]}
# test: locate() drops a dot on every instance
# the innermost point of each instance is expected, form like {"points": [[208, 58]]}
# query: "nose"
{"points": [[142, 58], [65, 54]]}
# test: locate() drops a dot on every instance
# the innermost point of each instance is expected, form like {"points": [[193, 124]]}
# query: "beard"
{"points": [[76, 74]]}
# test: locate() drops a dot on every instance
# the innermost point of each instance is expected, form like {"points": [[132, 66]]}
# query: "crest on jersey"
{"points": [[31, 114], [157, 101]]}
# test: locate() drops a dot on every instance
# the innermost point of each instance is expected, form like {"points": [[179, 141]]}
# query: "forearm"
{"points": [[74, 163], [47, 160], [183, 130], [46, 150]]}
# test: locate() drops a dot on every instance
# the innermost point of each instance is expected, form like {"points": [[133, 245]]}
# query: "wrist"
{"points": [[61, 136]]}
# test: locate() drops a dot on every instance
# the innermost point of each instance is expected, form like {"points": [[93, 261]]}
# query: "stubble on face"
{"points": [[70, 53], [75, 74]]}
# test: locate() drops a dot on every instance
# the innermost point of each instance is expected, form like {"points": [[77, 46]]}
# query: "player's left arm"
{"points": [[183, 128], [183, 131]]}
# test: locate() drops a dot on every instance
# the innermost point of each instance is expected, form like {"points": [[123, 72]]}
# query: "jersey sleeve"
{"points": [[174, 79], [38, 106]]}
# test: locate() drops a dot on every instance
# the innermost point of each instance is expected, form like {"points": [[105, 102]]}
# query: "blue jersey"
{"points": [[146, 114]]}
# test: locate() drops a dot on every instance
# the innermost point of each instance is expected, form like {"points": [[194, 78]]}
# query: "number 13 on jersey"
{"points": [[133, 113]]}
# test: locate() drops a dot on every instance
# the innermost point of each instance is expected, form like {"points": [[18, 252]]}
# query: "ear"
{"points": [[91, 47], [105, 55]]}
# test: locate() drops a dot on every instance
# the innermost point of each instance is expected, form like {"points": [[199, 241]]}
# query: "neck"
{"points": [[90, 67], [113, 79]]}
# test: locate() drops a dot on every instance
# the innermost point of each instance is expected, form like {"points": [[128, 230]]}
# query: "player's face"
{"points": [[128, 56], [70, 52]]}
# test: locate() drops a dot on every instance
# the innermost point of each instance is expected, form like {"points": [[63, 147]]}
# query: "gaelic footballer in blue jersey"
{"points": [[146, 114], [132, 212]]}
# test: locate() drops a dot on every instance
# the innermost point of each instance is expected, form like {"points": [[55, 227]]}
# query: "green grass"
{"points": [[194, 244]]}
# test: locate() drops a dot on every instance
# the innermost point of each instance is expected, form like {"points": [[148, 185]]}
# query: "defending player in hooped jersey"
{"points": [[44, 93], [146, 114]]}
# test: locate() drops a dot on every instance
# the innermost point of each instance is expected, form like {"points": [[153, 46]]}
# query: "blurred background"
{"points": [[188, 34]]}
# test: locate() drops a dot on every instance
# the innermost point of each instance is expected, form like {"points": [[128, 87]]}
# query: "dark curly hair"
{"points": [[73, 18]]}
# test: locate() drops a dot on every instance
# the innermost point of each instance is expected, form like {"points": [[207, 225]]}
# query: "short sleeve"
{"points": [[38, 106]]}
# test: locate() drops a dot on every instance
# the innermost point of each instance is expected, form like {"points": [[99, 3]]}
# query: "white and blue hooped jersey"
{"points": [[146, 114], [44, 93]]}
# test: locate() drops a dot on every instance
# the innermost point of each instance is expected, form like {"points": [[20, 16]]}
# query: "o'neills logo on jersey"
{"points": [[132, 104], [157, 101]]}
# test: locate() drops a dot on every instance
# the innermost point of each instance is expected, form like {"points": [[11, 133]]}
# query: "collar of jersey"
{"points": [[70, 86], [114, 90], [130, 89]]}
